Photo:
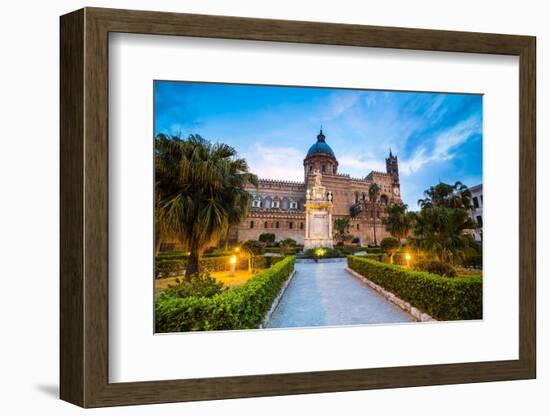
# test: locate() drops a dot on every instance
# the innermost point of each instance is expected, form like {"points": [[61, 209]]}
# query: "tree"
{"points": [[200, 192], [440, 231], [398, 221], [287, 245], [267, 238], [342, 226], [374, 191], [390, 246], [252, 249], [450, 196]]}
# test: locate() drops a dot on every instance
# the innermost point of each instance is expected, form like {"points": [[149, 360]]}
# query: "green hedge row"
{"points": [[242, 307], [168, 267], [443, 298]]}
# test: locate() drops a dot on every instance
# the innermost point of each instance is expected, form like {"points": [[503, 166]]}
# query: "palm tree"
{"points": [[398, 221], [440, 231], [450, 196], [200, 192], [374, 191]]}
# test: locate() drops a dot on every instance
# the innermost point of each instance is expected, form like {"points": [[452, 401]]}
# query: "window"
{"points": [[481, 197], [275, 204], [357, 226], [251, 224], [476, 202], [324, 168], [293, 205], [291, 225], [310, 168], [277, 224], [479, 220], [301, 226], [265, 225]]}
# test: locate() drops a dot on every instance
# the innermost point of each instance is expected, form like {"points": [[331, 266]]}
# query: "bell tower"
{"points": [[392, 167]]}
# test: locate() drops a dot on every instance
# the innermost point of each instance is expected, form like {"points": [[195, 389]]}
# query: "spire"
{"points": [[390, 152], [321, 136]]}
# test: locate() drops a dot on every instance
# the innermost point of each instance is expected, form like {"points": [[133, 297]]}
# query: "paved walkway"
{"points": [[325, 294]]}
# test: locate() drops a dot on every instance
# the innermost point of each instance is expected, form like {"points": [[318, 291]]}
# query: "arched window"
{"points": [[384, 199], [266, 225], [310, 168], [324, 168], [290, 225], [276, 204], [251, 224], [357, 226], [277, 224], [301, 226], [293, 205]]}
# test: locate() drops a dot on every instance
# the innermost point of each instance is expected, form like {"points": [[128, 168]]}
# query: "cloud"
{"points": [[271, 162], [363, 163], [444, 146]]}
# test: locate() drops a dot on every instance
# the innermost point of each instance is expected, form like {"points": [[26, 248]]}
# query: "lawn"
{"points": [[240, 277]]}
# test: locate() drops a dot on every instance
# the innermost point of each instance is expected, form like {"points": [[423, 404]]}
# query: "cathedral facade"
{"points": [[278, 207]]}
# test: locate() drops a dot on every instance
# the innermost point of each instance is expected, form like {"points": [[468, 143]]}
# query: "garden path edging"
{"points": [[406, 306], [275, 303]]}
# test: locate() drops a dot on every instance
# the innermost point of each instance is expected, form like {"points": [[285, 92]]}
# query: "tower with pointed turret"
{"points": [[392, 167]]}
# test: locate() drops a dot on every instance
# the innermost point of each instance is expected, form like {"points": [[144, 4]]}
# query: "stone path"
{"points": [[325, 294]]}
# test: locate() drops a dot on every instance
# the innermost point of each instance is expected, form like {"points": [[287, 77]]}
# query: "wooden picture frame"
{"points": [[84, 207]]}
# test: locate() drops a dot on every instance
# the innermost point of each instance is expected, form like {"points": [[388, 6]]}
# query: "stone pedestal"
{"points": [[318, 216]]}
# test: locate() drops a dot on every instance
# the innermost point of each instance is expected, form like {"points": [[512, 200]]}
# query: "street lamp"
{"points": [[233, 262], [408, 258]]}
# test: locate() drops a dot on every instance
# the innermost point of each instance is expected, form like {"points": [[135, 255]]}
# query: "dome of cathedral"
{"points": [[320, 147]]}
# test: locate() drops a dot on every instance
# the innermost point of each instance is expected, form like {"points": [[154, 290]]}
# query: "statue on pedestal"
{"points": [[318, 215]]}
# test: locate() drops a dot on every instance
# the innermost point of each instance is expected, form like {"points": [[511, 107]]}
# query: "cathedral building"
{"points": [[278, 206]]}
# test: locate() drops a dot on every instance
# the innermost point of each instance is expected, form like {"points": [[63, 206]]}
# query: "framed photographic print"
{"points": [[255, 207]]}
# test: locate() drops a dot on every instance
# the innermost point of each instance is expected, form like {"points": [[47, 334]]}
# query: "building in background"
{"points": [[278, 206], [476, 213]]}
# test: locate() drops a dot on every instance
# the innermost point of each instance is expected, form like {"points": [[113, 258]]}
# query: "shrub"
{"points": [[267, 238], [323, 253], [442, 297], [355, 240], [241, 307], [373, 256], [435, 266], [202, 286], [373, 250], [176, 266]]}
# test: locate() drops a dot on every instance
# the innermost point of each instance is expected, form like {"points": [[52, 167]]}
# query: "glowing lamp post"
{"points": [[233, 262], [408, 258]]}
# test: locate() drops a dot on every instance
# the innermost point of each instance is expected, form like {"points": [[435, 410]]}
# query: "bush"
{"points": [[242, 307], [436, 267], [373, 256], [323, 253], [267, 238], [202, 286], [176, 266], [355, 240], [373, 250], [442, 297]]}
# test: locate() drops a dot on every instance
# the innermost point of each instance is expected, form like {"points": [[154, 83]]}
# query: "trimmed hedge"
{"points": [[169, 267], [446, 299], [241, 307]]}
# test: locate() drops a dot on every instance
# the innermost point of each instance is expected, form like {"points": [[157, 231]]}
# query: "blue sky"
{"points": [[436, 136]]}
